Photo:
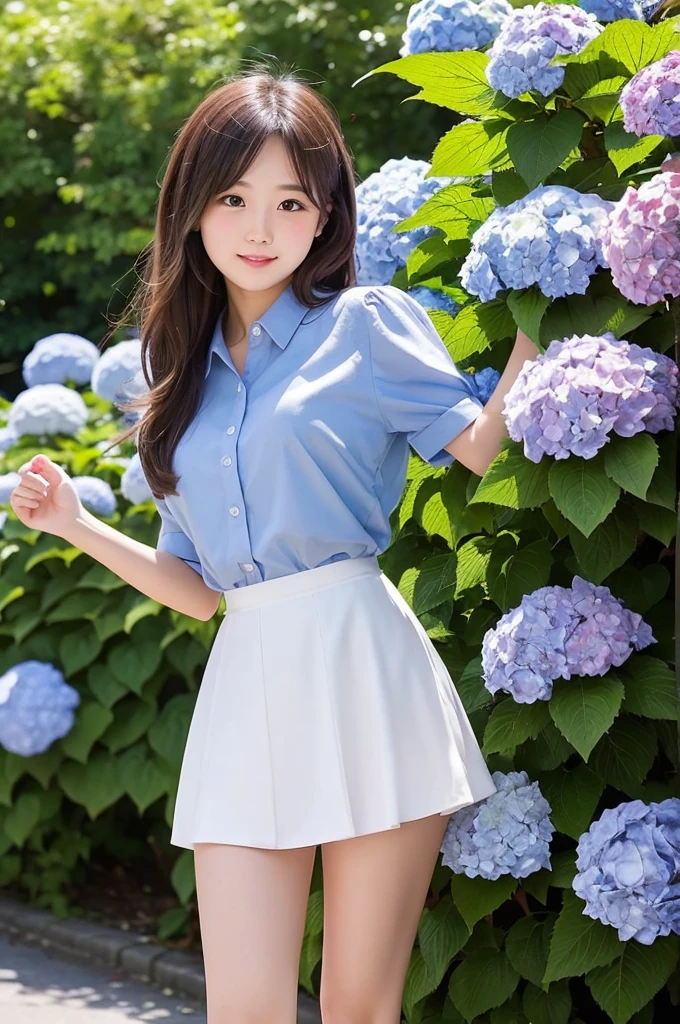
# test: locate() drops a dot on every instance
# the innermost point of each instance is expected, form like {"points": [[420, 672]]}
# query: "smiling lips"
{"points": [[256, 261]]}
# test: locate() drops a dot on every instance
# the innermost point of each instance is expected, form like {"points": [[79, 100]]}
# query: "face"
{"points": [[268, 214]]}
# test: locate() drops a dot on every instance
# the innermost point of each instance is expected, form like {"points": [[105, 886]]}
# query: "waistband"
{"points": [[297, 583]]}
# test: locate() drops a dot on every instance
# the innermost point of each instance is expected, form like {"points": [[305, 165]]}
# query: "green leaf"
{"points": [[600, 100], [431, 585], [183, 877], [472, 561], [418, 982], [452, 209], [608, 546], [625, 754], [551, 1007], [527, 946], [508, 186], [540, 145], [579, 943], [471, 148], [477, 897], [625, 986], [528, 308], [512, 480], [441, 934], [658, 522], [433, 517], [470, 686], [582, 492], [632, 44], [630, 462], [106, 688], [662, 490], [168, 732], [78, 649], [133, 718], [477, 326], [454, 80], [94, 786], [132, 664], [143, 780], [640, 589], [625, 149], [91, 721], [523, 572], [650, 688], [483, 980], [584, 708], [22, 818], [573, 797], [510, 724]]}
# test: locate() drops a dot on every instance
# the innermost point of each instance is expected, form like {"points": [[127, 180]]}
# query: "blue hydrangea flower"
{"points": [[95, 494], [385, 198], [570, 398], [614, 10], [36, 707], [47, 409], [8, 481], [58, 358], [3, 520], [628, 869], [484, 383], [507, 833], [433, 298], [519, 58], [556, 632], [448, 25], [552, 237], [133, 484], [7, 438], [116, 369]]}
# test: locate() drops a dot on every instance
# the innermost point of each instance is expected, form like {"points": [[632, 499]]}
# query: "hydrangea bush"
{"points": [[453, 25]]}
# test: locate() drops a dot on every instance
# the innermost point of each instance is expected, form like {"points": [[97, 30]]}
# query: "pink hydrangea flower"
{"points": [[643, 246], [651, 100]]}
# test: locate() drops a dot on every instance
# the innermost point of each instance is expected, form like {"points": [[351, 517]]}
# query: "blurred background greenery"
{"points": [[93, 95]]}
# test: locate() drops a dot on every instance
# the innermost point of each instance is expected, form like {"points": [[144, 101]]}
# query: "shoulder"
{"points": [[379, 304]]}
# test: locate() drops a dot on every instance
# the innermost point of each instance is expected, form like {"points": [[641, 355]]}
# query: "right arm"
{"points": [[46, 500]]}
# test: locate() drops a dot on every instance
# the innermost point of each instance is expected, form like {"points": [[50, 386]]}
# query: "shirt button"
{"points": [[239, 387], [248, 567], [226, 461], [257, 330], [230, 430], [234, 511]]}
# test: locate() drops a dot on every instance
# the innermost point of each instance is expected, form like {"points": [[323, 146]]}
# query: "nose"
{"points": [[259, 230]]}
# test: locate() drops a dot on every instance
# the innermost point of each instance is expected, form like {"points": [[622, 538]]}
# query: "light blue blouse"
{"points": [[301, 461]]}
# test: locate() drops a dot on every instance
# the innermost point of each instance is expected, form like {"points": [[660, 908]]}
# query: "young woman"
{"points": [[275, 437]]}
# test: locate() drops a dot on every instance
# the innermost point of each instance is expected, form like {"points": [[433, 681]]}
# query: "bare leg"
{"points": [[252, 906], [375, 887]]}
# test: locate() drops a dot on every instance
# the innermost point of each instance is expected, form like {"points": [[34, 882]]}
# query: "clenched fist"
{"points": [[45, 498]]}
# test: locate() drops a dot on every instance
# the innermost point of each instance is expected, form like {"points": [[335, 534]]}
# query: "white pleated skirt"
{"points": [[324, 712]]}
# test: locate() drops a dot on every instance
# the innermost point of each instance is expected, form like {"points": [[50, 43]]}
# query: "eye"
{"points": [[231, 196], [293, 201]]}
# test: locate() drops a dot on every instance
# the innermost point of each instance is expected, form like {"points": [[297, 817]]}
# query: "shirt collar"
{"points": [[280, 321]]}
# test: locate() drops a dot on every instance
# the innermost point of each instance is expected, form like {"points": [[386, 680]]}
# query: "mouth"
{"points": [[256, 260]]}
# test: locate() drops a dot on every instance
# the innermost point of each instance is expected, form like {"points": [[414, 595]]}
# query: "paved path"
{"points": [[36, 988]]}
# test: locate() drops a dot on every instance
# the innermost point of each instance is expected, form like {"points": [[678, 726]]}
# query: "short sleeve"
{"points": [[172, 538], [419, 389]]}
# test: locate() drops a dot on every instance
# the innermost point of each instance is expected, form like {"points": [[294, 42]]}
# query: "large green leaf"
{"points": [[625, 986], [475, 327], [527, 946], [573, 797], [95, 785], [22, 818], [650, 688], [582, 491], [632, 44], [608, 546], [442, 932], [528, 308], [510, 724], [143, 780], [481, 981], [583, 709], [91, 721], [658, 522], [540, 145], [452, 209], [512, 480], [477, 897], [625, 754], [662, 489], [168, 732], [625, 149], [579, 943], [133, 718], [630, 461], [79, 648], [472, 561], [640, 589], [473, 147], [430, 585], [454, 80], [523, 572], [551, 1007], [133, 663]]}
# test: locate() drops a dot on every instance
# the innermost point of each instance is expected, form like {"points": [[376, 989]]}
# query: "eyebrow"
{"points": [[282, 188]]}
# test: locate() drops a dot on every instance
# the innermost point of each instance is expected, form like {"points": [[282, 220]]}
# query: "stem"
{"points": [[521, 898]]}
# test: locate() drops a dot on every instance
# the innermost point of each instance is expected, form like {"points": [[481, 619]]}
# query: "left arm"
{"points": [[479, 443]]}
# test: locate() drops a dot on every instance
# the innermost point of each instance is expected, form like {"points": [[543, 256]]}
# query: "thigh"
{"points": [[252, 905], [375, 887]]}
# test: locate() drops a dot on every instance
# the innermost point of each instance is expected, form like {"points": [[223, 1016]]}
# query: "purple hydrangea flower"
{"points": [[95, 494], [556, 632], [567, 400], [650, 101], [484, 383], [614, 10], [449, 25], [47, 409], [433, 298], [552, 237], [385, 198], [521, 52], [36, 707], [628, 869], [507, 833], [116, 369], [643, 243], [58, 358], [133, 483]]}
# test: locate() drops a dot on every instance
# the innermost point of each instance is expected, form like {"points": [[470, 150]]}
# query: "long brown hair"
{"points": [[177, 305]]}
